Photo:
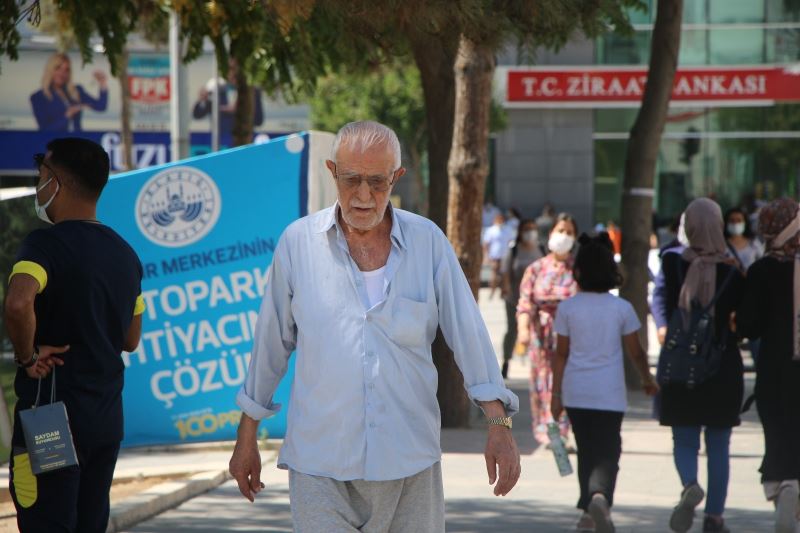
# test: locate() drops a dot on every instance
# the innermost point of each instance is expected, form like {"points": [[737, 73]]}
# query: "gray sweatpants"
{"points": [[410, 505]]}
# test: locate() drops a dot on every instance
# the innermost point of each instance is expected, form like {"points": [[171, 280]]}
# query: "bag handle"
{"points": [[52, 389]]}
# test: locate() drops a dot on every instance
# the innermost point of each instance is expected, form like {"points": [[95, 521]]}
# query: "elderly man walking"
{"points": [[358, 290]]}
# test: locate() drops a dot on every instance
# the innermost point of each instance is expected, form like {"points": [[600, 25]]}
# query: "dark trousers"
{"points": [[597, 434], [70, 500], [511, 335]]}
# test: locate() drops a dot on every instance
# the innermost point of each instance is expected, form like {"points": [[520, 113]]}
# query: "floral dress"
{"points": [[544, 285]]}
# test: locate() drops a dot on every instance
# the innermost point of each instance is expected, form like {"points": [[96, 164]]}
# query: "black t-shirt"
{"points": [[92, 290]]}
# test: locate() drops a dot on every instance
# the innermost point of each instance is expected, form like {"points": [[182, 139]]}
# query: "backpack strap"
{"points": [[735, 255], [721, 289]]}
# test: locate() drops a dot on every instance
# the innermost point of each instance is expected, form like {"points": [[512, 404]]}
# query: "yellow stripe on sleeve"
{"points": [[139, 308], [24, 482], [34, 270]]}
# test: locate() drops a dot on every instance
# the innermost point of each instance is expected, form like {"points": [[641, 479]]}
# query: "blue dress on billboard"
{"points": [[51, 114]]}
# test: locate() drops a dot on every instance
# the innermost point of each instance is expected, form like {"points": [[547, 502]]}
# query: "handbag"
{"points": [[692, 354], [48, 436]]}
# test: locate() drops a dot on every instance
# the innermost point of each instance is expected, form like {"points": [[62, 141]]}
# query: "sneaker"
{"points": [[601, 514], [683, 514], [786, 510], [585, 523], [713, 525]]}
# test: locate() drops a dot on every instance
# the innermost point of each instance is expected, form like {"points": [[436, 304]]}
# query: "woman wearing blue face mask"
{"points": [[742, 244]]}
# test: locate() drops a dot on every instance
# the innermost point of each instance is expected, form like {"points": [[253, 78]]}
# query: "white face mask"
{"points": [[41, 210], [560, 243], [736, 229], [530, 236]]}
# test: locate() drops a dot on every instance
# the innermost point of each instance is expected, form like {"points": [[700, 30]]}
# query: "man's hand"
{"points": [[245, 464], [502, 455], [47, 359]]}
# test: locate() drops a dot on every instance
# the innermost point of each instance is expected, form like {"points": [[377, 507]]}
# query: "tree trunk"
{"points": [[435, 59], [468, 167], [245, 109], [435, 56], [127, 130], [418, 186], [640, 162]]}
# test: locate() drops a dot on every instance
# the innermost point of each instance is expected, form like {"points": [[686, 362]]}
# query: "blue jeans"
{"points": [[686, 441]]}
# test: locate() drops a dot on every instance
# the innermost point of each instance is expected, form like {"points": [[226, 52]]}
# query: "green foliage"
{"points": [[12, 13], [17, 218], [390, 94], [113, 21]]}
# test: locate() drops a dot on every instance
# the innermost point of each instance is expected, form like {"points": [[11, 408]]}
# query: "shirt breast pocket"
{"points": [[409, 322]]}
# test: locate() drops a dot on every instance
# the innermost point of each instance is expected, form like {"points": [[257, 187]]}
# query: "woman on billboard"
{"points": [[58, 105]]}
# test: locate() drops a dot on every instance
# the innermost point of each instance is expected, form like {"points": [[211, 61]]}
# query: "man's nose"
{"points": [[363, 192]]}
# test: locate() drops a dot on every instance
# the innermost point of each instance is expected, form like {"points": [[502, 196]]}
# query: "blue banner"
{"points": [[205, 230], [149, 148]]}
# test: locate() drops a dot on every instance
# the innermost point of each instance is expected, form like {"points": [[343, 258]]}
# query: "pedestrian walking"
{"points": [[589, 375], [358, 291], [525, 250], [74, 300], [769, 312], [545, 284], [742, 244], [696, 276], [496, 241]]}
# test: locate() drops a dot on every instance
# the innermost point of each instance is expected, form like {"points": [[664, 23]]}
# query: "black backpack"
{"points": [[692, 354]]}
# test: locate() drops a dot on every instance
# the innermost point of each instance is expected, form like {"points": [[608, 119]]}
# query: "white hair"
{"points": [[365, 134]]}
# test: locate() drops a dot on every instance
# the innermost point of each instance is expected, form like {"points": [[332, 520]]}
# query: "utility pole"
{"points": [[179, 98]]}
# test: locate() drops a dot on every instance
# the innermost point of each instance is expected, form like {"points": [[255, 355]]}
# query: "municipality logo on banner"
{"points": [[205, 230], [178, 206]]}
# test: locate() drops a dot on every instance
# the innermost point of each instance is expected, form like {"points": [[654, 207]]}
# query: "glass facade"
{"points": [[738, 155]]}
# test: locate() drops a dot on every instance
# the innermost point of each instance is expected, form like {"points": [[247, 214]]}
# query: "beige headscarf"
{"points": [[703, 221], [779, 223]]}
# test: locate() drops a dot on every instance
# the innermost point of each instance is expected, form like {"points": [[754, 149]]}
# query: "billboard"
{"points": [[45, 95]]}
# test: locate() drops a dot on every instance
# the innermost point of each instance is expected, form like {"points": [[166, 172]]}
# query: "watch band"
{"points": [[499, 421], [30, 362]]}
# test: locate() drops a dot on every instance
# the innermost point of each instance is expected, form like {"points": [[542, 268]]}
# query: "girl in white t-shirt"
{"points": [[589, 376]]}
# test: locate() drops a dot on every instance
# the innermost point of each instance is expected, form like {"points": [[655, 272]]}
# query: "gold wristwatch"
{"points": [[499, 421]]}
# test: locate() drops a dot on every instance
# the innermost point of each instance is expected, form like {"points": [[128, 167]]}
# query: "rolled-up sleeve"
{"points": [[466, 334], [273, 342]]}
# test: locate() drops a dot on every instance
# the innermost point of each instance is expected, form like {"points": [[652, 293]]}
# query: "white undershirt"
{"points": [[374, 281]]}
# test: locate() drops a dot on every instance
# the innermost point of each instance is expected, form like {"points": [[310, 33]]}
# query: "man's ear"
{"points": [[331, 166]]}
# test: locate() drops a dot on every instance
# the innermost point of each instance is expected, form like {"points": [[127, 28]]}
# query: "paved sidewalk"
{"points": [[543, 502]]}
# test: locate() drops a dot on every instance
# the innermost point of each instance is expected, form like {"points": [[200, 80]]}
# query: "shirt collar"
{"points": [[330, 220]]}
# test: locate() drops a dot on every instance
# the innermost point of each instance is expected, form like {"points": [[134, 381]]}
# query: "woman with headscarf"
{"points": [[695, 275], [770, 310]]}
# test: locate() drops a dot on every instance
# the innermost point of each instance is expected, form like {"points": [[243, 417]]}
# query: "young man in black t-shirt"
{"points": [[74, 300]]}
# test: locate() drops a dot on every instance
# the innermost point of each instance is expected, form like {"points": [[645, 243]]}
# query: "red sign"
{"points": [[149, 90], [589, 86]]}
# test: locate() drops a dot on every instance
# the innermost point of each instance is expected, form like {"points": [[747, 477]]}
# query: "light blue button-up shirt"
{"points": [[363, 401]]}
